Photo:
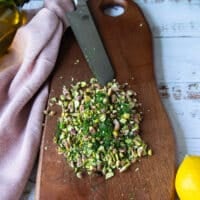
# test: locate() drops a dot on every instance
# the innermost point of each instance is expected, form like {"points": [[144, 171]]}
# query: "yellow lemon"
{"points": [[187, 180]]}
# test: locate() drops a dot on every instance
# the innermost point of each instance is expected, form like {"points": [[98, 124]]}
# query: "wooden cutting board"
{"points": [[128, 41]]}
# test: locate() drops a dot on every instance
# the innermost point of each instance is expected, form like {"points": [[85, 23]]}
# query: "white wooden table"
{"points": [[175, 25]]}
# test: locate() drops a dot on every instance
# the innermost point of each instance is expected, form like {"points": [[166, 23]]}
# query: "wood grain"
{"points": [[176, 60], [128, 41]]}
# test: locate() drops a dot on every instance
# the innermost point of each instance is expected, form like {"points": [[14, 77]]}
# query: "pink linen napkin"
{"points": [[23, 93]]}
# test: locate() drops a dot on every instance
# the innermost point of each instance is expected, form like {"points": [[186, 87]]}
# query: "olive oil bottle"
{"points": [[11, 18]]}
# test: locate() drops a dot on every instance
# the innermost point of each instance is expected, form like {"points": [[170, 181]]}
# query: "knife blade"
{"points": [[89, 40]]}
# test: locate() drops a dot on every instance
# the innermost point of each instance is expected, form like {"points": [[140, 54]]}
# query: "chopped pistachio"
{"points": [[98, 128], [102, 117], [109, 175], [126, 116], [79, 174], [52, 113], [124, 167], [115, 133], [149, 152]]}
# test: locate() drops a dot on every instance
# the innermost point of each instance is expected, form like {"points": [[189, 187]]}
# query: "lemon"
{"points": [[187, 180]]}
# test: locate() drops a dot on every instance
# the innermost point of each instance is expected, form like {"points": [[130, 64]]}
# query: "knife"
{"points": [[88, 38]]}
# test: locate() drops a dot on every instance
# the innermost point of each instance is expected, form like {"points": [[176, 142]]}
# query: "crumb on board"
{"points": [[131, 196], [77, 61], [49, 112], [137, 169], [51, 104], [52, 113], [45, 112]]}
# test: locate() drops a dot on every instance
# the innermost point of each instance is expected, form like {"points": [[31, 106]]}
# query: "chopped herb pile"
{"points": [[98, 130]]}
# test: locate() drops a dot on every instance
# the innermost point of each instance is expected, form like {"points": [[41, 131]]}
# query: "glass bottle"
{"points": [[11, 18]]}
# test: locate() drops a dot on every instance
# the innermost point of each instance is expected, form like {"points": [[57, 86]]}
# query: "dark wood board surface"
{"points": [[128, 41]]}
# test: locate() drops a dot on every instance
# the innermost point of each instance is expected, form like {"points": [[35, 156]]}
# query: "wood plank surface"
{"points": [[128, 41]]}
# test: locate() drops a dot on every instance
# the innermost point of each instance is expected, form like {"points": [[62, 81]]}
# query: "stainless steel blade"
{"points": [[89, 40]]}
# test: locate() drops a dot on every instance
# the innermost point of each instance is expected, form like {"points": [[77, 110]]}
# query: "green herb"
{"points": [[98, 128]]}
